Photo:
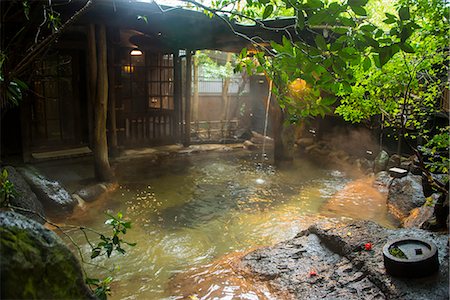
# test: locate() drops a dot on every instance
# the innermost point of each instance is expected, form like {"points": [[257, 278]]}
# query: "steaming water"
{"points": [[188, 212]]}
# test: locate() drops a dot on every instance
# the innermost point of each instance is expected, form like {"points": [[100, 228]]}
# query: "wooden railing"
{"points": [[204, 131], [149, 128]]}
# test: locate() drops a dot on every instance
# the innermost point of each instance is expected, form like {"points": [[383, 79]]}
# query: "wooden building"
{"points": [[149, 78]]}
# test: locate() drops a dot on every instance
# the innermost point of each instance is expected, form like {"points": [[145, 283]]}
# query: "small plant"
{"points": [[396, 252], [108, 244], [7, 190], [102, 287]]}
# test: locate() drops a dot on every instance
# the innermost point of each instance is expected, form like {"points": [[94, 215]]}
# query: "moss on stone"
{"points": [[35, 264]]}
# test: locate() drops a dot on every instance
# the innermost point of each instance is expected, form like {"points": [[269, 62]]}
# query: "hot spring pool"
{"points": [[189, 211]]}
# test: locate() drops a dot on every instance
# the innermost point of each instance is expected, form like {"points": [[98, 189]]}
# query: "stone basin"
{"points": [[419, 257]]}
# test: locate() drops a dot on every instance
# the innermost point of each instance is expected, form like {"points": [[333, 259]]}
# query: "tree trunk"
{"points": [[103, 170], [195, 96], [283, 136], [236, 109], [225, 98]]}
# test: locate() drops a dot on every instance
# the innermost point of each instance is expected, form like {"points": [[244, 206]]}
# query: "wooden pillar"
{"points": [[92, 80], [195, 96], [187, 116], [177, 94], [99, 87], [112, 95]]}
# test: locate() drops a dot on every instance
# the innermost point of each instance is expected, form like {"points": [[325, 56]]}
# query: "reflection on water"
{"points": [[189, 212]]}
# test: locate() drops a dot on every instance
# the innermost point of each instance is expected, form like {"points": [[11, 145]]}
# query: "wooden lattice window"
{"points": [[148, 82]]}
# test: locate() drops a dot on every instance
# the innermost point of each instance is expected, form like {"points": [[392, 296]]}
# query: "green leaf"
{"points": [[389, 21], [406, 47], [243, 53], [300, 20], [368, 28], [127, 224], [95, 253], [376, 59], [267, 11], [390, 16], [320, 42], [340, 30], [348, 22], [328, 101], [359, 10], [357, 2], [92, 281], [406, 33], [314, 3], [367, 63], [318, 18], [385, 55], [404, 13]]}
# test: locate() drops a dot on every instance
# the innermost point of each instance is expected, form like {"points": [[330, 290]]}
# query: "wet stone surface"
{"points": [[35, 264], [51, 194], [328, 261], [25, 198], [405, 194]]}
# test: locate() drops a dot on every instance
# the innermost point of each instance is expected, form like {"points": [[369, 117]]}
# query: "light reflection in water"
{"points": [[192, 211]]}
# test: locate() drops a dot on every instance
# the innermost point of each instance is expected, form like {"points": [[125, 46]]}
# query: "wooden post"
{"points": [[112, 97], [187, 116], [92, 80], [177, 94], [195, 97], [225, 98], [103, 170]]}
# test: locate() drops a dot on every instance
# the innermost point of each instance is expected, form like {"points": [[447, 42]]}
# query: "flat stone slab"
{"points": [[328, 261]]}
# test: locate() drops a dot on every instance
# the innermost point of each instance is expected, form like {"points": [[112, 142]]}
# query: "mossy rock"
{"points": [[35, 263]]}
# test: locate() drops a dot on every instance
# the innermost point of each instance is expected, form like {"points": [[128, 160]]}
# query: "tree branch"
{"points": [[43, 45]]}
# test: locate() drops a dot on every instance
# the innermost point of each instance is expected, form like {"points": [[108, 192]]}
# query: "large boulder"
{"points": [[381, 162], [50, 193], [382, 181], [25, 200], [419, 216], [35, 264], [404, 195], [328, 261]]}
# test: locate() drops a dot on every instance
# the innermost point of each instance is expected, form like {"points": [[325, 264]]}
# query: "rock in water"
{"points": [[25, 197], [35, 264], [381, 161], [336, 260], [50, 193], [404, 195], [95, 191]]}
